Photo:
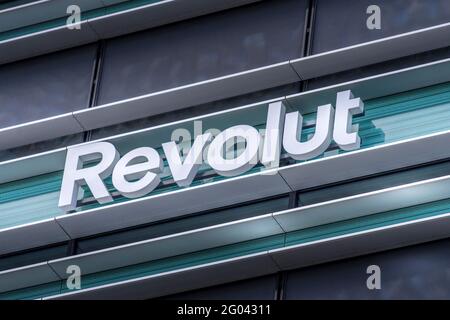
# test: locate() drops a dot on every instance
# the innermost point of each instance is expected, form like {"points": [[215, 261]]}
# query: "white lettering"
{"points": [[231, 152], [315, 145], [146, 172], [272, 138], [246, 160], [345, 134], [75, 175], [184, 172]]}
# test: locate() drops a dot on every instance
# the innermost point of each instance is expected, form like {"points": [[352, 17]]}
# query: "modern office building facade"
{"points": [[327, 218]]}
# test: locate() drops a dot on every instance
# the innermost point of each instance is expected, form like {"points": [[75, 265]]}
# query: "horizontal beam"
{"points": [[376, 86], [187, 96], [28, 276], [258, 227], [365, 162], [44, 10], [363, 242], [172, 204], [192, 278], [31, 166], [103, 27], [269, 262], [178, 98], [157, 14], [364, 204], [372, 52], [40, 130], [148, 105], [42, 42], [31, 235], [170, 246]]}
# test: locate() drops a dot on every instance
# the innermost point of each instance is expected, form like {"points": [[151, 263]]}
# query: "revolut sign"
{"points": [[137, 173]]}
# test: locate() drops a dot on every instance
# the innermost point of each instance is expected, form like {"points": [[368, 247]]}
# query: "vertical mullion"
{"points": [[308, 35], [72, 247], [281, 283], [293, 199], [95, 82]]}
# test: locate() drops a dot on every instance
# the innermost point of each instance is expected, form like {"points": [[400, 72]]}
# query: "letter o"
{"points": [[242, 163]]}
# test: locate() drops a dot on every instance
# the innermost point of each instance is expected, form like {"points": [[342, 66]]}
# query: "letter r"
{"points": [[75, 175]]}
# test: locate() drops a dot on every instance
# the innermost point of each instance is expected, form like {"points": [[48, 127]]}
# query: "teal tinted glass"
{"points": [[374, 183], [397, 117], [29, 200], [407, 115]]}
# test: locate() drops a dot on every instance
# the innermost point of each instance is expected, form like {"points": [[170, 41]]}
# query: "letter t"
{"points": [[345, 134]]}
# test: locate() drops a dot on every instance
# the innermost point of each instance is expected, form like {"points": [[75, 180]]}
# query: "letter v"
{"points": [[184, 172]]}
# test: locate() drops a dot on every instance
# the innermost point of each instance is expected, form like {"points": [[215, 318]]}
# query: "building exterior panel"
{"points": [[207, 150]]}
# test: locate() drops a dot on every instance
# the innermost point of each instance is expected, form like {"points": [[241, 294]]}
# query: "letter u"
{"points": [[318, 143]]}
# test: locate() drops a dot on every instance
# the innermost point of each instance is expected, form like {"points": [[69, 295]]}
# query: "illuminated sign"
{"points": [[136, 173]]}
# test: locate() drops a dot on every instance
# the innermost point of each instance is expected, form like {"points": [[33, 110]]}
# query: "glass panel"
{"points": [[341, 23], [406, 115], [46, 86], [196, 111], [207, 47], [398, 117], [374, 183], [29, 200], [378, 68], [182, 261], [377, 220], [58, 22], [189, 223], [36, 292], [254, 289], [416, 272], [39, 147], [254, 246], [17, 260], [154, 267]]}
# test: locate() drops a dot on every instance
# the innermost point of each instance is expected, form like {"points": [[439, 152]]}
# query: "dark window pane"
{"points": [[263, 288], [197, 110], [374, 183], [189, 223], [12, 261], [417, 272], [341, 23], [45, 86], [203, 48]]}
